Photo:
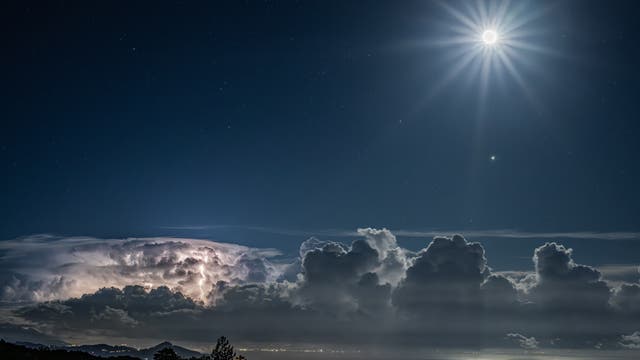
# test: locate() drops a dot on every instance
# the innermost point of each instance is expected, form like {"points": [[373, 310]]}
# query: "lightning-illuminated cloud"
{"points": [[40, 268]]}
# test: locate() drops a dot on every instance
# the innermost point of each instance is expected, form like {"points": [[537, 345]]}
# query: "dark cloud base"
{"points": [[368, 293]]}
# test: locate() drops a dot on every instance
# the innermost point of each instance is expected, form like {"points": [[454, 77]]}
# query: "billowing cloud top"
{"points": [[41, 268], [443, 295]]}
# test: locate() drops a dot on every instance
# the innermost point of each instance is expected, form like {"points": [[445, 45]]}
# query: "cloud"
{"points": [[498, 292], [631, 341], [393, 259], [16, 287], [365, 292], [115, 317], [331, 275], [627, 298], [450, 296], [565, 286], [448, 273], [528, 343], [130, 311], [44, 267], [381, 240], [620, 273]]}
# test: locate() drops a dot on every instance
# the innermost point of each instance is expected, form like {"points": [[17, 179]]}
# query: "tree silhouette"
{"points": [[166, 354], [223, 350]]}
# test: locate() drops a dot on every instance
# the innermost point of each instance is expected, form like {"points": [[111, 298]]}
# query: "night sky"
{"points": [[122, 118], [262, 123]]}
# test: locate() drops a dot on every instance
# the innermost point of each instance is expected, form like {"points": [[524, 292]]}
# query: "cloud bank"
{"points": [[371, 291]]}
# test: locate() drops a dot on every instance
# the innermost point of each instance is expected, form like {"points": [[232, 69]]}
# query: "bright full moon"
{"points": [[489, 41], [490, 37]]}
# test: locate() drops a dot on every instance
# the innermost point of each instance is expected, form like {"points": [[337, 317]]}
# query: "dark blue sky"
{"points": [[122, 119]]}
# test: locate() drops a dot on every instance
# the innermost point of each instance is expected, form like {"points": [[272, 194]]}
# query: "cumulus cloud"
{"points": [[332, 274], [565, 286], [498, 292], [362, 292], [627, 298], [393, 259], [448, 272]]}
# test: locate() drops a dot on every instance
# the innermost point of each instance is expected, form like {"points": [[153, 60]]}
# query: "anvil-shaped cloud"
{"points": [[44, 267]]}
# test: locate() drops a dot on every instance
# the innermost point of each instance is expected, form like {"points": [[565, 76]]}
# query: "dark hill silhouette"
{"points": [[165, 350], [19, 352], [111, 351], [179, 350], [104, 350]]}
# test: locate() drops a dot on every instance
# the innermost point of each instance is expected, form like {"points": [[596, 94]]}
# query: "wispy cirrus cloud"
{"points": [[428, 233], [516, 234]]}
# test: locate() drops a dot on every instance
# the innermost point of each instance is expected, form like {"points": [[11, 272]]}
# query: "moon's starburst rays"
{"points": [[460, 63], [522, 45], [515, 74], [483, 83], [488, 41], [460, 16]]}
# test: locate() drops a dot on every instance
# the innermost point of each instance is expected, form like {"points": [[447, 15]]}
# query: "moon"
{"points": [[490, 37]]}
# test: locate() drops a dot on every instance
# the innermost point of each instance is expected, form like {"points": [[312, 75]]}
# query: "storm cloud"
{"points": [[40, 268]]}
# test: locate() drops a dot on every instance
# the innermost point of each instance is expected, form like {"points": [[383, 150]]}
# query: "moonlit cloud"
{"points": [[524, 342], [631, 341]]}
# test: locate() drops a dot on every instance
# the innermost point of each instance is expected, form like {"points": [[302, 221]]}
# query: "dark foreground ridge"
{"points": [[14, 351], [162, 351]]}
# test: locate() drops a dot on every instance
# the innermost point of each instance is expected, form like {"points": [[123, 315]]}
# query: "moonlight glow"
{"points": [[490, 37], [487, 42]]}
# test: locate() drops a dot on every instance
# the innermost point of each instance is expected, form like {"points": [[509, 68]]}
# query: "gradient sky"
{"points": [[123, 118]]}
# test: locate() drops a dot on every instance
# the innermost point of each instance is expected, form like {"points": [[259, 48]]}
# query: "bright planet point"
{"points": [[490, 37]]}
